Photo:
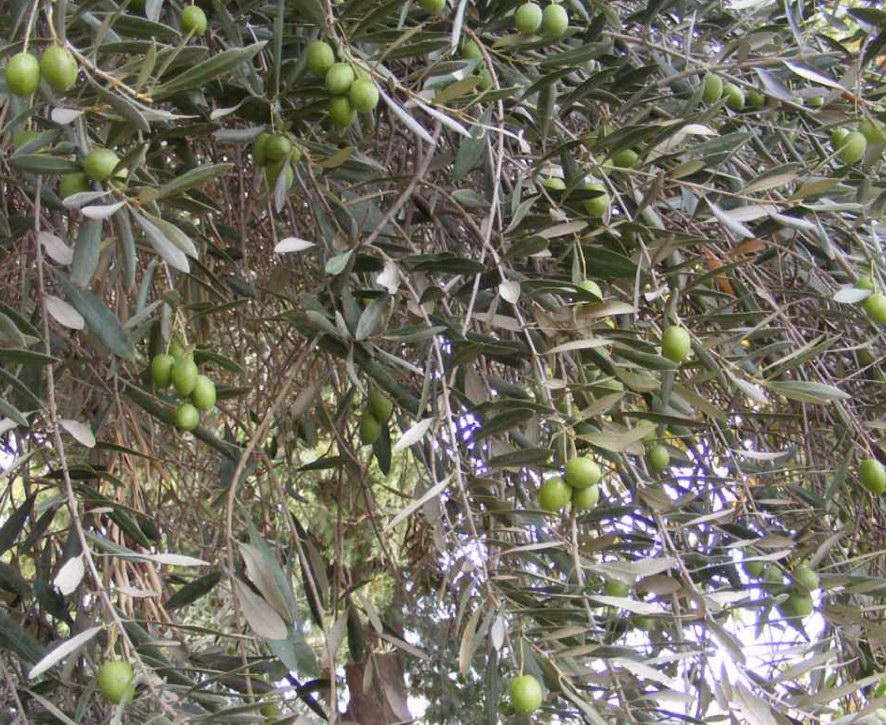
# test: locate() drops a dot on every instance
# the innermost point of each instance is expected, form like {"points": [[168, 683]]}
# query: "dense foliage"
{"points": [[360, 357]]}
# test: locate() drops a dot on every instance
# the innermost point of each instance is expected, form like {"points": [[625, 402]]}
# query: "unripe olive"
{"points": [[658, 459], [470, 49], [370, 429], [526, 694], [70, 184], [555, 21], [380, 406], [277, 147], [363, 95], [754, 569], [875, 306], [676, 343], [797, 606], [872, 475], [187, 417], [755, 99], [339, 78], [258, 148], [582, 472], [713, 88], [872, 130], [161, 370], [805, 578], [554, 494], [114, 680], [617, 588], [625, 159], [58, 68], [584, 499], [184, 375], [734, 96], [528, 17], [272, 173], [599, 205], [193, 20], [320, 57], [100, 163], [203, 395], [341, 113], [432, 6], [852, 147], [23, 74]]}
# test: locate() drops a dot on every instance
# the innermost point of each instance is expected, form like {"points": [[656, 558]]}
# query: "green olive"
{"points": [[528, 18], [184, 375], [320, 57], [713, 88], [193, 20]]}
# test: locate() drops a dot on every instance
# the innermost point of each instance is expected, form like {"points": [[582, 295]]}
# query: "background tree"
{"points": [[371, 361]]}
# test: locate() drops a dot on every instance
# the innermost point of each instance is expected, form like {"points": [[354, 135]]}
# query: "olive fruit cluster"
{"points": [[550, 23], [99, 162], [352, 92], [98, 165], [57, 66], [470, 50], [804, 580], [799, 603], [273, 152], [713, 89], [578, 486], [378, 413], [197, 391]]}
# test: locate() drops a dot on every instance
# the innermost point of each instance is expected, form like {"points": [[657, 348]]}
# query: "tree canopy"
{"points": [[455, 361]]}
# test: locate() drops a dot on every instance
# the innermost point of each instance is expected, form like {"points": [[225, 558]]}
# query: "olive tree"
{"points": [[369, 361]]}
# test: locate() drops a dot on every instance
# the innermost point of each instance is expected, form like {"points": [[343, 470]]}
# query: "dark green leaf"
{"points": [[25, 357], [525, 457], [100, 320], [14, 638], [471, 149], [43, 164], [13, 526], [191, 179], [86, 253], [215, 67], [192, 591]]}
